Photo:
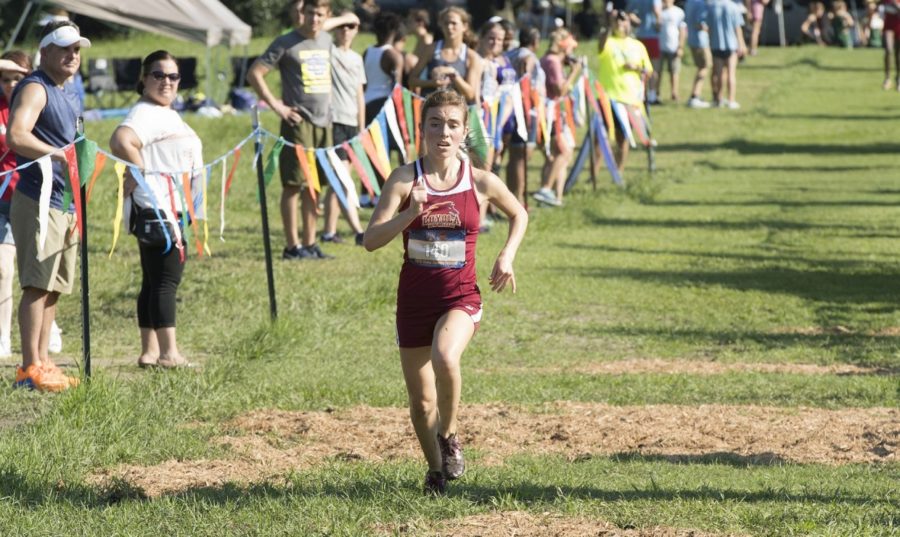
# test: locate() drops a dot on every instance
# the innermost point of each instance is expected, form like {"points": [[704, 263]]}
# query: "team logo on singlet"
{"points": [[441, 215]]}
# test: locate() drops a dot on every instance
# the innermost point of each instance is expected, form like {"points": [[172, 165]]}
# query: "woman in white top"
{"points": [[164, 147]]}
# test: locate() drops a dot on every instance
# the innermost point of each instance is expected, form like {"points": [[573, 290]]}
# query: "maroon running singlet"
{"points": [[438, 273]]}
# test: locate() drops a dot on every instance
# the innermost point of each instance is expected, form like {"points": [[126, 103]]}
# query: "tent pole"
{"points": [[15, 34], [209, 73], [779, 10]]}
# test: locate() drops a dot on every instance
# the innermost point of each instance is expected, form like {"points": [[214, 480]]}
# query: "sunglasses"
{"points": [[159, 75], [348, 26]]}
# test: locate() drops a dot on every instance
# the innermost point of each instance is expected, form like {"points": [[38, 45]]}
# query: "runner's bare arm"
{"points": [[491, 188], [386, 223]]}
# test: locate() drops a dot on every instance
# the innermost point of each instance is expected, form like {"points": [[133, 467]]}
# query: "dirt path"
{"points": [[265, 444], [520, 524]]}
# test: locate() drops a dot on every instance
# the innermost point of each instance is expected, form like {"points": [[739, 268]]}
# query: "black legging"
{"points": [[161, 276]]}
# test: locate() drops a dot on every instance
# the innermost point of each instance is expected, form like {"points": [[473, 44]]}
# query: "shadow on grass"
{"points": [[855, 348], [787, 168], [725, 458], [751, 147], [774, 257], [826, 285], [738, 225], [836, 117]]}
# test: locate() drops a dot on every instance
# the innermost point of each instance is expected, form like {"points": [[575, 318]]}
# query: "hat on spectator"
{"points": [[65, 36]]}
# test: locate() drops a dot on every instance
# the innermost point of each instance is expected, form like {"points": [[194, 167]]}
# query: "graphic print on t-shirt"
{"points": [[315, 68]]}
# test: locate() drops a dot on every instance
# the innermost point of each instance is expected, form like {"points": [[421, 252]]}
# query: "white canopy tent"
{"points": [[202, 21]]}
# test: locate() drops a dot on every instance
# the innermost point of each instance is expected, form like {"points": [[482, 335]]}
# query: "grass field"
{"points": [[713, 348]]}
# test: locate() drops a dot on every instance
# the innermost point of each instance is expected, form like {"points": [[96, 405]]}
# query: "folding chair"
{"points": [[127, 72], [101, 84]]}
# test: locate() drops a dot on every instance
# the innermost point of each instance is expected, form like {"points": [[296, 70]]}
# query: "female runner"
{"points": [[434, 204]]}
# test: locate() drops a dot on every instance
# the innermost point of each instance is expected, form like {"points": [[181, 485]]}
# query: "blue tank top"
{"points": [[57, 125], [437, 60]]}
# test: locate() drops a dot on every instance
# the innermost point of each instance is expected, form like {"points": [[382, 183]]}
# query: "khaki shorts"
{"points": [[702, 57], [671, 61], [309, 136], [53, 268]]}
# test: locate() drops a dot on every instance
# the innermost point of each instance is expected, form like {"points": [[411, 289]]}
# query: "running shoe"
{"points": [[332, 237], [696, 102], [435, 484], [358, 239], [295, 253], [37, 378], [452, 462], [547, 196], [314, 252], [732, 105], [54, 369]]}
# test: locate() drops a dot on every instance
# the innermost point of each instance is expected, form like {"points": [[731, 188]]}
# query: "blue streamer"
{"points": [[6, 182], [143, 185], [603, 142], [498, 127], [385, 133], [336, 185]]}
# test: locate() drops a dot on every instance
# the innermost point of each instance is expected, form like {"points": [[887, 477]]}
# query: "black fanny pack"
{"points": [[149, 229]]}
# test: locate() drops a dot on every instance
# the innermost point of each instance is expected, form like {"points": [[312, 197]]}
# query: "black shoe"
{"points": [[314, 252], [435, 484], [452, 462], [295, 253], [331, 237], [359, 239]]}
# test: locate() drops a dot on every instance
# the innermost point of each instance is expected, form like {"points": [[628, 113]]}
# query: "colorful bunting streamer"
{"points": [[343, 175], [374, 156], [98, 167], [360, 155], [390, 113], [358, 168], [119, 168], [335, 183], [303, 161], [75, 185]]}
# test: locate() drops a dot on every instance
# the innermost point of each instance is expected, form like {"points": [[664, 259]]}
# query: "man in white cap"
{"points": [[44, 118]]}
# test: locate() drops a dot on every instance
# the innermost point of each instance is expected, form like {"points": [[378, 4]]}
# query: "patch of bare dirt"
{"points": [[521, 524], [266, 444], [697, 367]]}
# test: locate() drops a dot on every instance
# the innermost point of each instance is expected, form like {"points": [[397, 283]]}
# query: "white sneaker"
{"points": [[731, 105], [696, 102], [5, 347], [545, 195], [55, 343]]}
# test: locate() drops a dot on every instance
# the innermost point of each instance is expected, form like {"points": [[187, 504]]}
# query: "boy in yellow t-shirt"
{"points": [[624, 65]]}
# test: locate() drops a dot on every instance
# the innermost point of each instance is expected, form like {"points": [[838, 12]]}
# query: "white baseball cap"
{"points": [[65, 36]]}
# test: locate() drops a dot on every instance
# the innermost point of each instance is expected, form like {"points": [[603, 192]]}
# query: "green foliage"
{"points": [[271, 16]]}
